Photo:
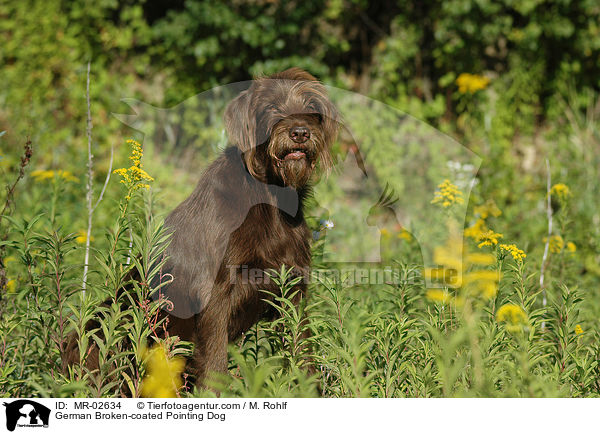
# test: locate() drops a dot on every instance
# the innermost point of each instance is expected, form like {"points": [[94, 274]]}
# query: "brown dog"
{"points": [[246, 214]]}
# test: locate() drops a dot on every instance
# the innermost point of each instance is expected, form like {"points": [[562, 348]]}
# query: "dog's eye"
{"points": [[318, 116]]}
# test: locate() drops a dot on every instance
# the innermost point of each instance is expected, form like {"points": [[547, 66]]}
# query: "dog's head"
{"points": [[283, 124]]}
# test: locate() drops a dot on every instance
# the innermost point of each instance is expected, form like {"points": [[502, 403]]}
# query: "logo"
{"points": [[26, 413]]}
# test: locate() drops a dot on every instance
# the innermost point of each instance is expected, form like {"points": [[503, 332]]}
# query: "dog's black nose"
{"points": [[299, 134]]}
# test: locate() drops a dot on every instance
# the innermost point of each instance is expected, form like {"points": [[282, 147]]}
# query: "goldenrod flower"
{"points": [[405, 235], [480, 275], [11, 286], [43, 175], [561, 191], [487, 209], [578, 330], [480, 258], [556, 243], [448, 194], [456, 269], [67, 176], [571, 247], [163, 375], [134, 177], [488, 238], [449, 257], [487, 288], [476, 230], [514, 317], [481, 282], [517, 254], [437, 295], [479, 230], [471, 83], [82, 237]]}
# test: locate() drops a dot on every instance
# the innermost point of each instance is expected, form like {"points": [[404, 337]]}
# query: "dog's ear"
{"points": [[240, 124], [240, 121]]}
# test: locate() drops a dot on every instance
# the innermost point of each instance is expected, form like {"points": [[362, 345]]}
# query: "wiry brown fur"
{"points": [[247, 211]]}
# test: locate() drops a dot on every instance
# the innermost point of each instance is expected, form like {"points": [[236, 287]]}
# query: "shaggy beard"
{"points": [[294, 173]]}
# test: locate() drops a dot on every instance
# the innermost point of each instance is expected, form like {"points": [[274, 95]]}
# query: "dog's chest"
{"points": [[268, 239], [263, 242]]}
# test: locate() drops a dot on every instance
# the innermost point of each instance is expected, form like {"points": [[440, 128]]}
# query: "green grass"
{"points": [[386, 340], [381, 340]]}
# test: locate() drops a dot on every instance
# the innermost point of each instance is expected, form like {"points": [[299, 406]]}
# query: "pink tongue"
{"points": [[296, 155]]}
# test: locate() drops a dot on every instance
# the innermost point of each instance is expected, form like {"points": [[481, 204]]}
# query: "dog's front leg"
{"points": [[210, 353]]}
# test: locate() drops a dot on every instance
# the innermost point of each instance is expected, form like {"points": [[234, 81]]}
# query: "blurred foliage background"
{"points": [[536, 54], [408, 54], [514, 81]]}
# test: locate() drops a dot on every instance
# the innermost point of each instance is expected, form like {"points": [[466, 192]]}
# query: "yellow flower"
{"points": [[479, 230], [11, 286], [82, 237], [437, 295], [384, 232], [578, 330], [448, 194], [455, 268], [556, 243], [471, 83], [448, 257], [405, 235], [480, 258], [163, 375], [571, 247], [514, 317], [479, 275], [134, 177], [481, 282], [561, 191], [43, 175], [517, 254], [488, 238], [487, 209], [476, 230], [487, 288], [67, 176]]}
